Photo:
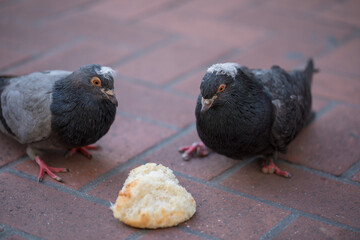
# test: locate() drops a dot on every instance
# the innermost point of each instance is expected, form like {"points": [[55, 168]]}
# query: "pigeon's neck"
{"points": [[78, 117]]}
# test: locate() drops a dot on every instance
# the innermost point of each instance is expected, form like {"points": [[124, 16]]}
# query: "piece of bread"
{"points": [[152, 198]]}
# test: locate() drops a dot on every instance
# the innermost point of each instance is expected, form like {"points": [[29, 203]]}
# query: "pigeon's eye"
{"points": [[95, 81], [221, 88]]}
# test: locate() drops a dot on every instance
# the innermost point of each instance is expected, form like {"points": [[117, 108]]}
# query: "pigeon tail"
{"points": [[310, 70]]}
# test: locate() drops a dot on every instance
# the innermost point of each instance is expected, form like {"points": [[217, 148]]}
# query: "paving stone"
{"points": [[356, 177], [10, 56], [154, 104], [191, 84], [103, 29], [15, 237], [77, 54], [203, 168], [228, 216], [343, 11], [332, 151], [305, 191], [10, 150], [337, 87], [135, 10], [214, 31], [119, 145], [305, 228], [346, 51], [109, 189], [169, 233], [164, 65], [31, 12], [49, 214], [31, 41]]}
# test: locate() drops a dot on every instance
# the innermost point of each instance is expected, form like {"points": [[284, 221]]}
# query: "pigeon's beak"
{"points": [[206, 104], [111, 96]]}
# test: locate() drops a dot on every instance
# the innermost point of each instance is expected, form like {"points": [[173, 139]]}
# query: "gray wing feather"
{"points": [[26, 104], [291, 99]]}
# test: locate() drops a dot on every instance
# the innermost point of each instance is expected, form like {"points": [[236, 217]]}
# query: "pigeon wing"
{"points": [[25, 105]]}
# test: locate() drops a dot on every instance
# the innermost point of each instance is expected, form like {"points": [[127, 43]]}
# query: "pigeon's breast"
{"points": [[80, 119], [235, 133]]}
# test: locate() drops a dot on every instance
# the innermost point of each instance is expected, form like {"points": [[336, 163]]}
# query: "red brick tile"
{"points": [[304, 191], [107, 31], [289, 24], [46, 213], [303, 7], [76, 55], [228, 216], [10, 150], [165, 64], [209, 9], [356, 177], [155, 104], [169, 233], [129, 9], [329, 144], [191, 84], [305, 228], [109, 189], [30, 41], [344, 12], [10, 56], [318, 104], [203, 168], [337, 87], [219, 33], [37, 9], [119, 145], [344, 59], [15, 237]]}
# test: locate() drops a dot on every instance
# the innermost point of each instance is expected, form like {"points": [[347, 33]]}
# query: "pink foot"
{"points": [[83, 150], [271, 168], [49, 170], [198, 147]]}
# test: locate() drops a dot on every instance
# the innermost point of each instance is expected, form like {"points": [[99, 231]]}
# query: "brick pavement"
{"points": [[161, 50]]}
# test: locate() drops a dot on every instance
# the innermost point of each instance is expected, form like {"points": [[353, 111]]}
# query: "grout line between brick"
{"points": [[279, 227], [348, 174], [166, 41], [61, 188], [147, 120], [9, 231], [13, 163], [268, 202], [137, 235], [198, 234], [230, 171], [320, 173], [161, 9], [44, 53]]}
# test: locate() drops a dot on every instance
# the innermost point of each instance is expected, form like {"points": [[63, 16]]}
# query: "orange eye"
{"points": [[95, 81], [221, 88]]}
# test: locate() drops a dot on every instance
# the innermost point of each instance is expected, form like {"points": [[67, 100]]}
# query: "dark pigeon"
{"points": [[244, 112], [58, 110]]}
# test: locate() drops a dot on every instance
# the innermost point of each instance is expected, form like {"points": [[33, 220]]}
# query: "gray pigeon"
{"points": [[58, 110], [244, 112]]}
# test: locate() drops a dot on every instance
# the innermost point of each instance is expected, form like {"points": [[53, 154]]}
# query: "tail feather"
{"points": [[310, 70]]}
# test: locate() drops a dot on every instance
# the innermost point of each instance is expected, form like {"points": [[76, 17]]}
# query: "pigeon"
{"points": [[58, 110], [243, 113]]}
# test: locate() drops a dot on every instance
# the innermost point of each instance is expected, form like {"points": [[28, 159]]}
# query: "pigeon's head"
{"points": [[97, 79], [218, 84]]}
